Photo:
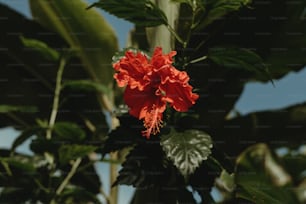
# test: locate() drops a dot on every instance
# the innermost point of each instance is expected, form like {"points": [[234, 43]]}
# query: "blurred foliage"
{"points": [[56, 80]]}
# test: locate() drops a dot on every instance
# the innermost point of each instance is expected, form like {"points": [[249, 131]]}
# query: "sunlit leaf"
{"points": [[86, 31], [187, 149]]}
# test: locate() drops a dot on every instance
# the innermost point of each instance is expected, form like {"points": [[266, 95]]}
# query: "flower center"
{"points": [[152, 122]]}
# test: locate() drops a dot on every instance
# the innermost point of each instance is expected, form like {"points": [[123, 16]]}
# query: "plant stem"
{"points": [[65, 182], [198, 59], [107, 199], [113, 176], [57, 91], [177, 37]]}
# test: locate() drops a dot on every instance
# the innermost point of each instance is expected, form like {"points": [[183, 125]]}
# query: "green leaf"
{"points": [[23, 109], [42, 48], [71, 152], [216, 9], [87, 85], [261, 179], [145, 166], [238, 58], [12, 195], [86, 31], [77, 195], [187, 150], [226, 181], [68, 131], [18, 165], [141, 12], [25, 135]]}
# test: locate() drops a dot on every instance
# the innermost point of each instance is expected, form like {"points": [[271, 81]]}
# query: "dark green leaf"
{"points": [[23, 109], [236, 58], [87, 176], [17, 166], [142, 12], [145, 166], [68, 131], [187, 150], [216, 9], [71, 152], [26, 134], [126, 135], [42, 48], [40, 145], [261, 179], [11, 195], [77, 195], [87, 85], [159, 194], [295, 164]]}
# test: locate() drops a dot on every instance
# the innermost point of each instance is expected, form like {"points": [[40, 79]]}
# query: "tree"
{"points": [[59, 91]]}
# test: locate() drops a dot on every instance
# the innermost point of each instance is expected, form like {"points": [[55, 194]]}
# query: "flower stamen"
{"points": [[152, 122]]}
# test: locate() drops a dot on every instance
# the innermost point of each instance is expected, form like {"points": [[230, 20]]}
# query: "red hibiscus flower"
{"points": [[151, 84]]}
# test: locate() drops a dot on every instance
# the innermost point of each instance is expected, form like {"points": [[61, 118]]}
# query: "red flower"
{"points": [[150, 85]]}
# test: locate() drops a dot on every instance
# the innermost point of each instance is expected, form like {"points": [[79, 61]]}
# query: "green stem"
{"points": [[198, 59], [65, 182], [177, 37], [57, 91]]}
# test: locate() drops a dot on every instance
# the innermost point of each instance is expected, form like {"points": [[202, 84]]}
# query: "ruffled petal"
{"points": [[132, 70], [179, 95], [159, 59]]}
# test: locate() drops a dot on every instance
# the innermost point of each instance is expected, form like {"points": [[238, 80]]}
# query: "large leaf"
{"points": [[273, 31], [145, 166], [27, 78], [242, 59], [86, 31], [216, 9], [187, 150], [141, 12], [261, 179]]}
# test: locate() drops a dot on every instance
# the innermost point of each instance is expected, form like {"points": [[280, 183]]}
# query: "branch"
{"points": [[65, 182], [57, 91]]}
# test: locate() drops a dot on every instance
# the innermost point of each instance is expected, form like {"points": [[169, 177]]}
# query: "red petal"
{"points": [[132, 69], [159, 60], [179, 95], [141, 102]]}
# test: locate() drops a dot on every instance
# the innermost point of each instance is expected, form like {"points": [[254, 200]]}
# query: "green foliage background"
{"points": [[61, 96]]}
